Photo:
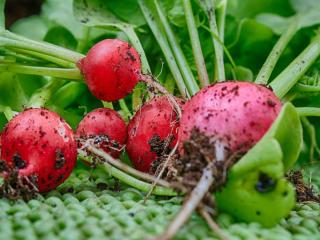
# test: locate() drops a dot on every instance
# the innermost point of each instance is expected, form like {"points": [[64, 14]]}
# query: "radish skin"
{"points": [[40, 143], [155, 118], [107, 124], [236, 113]]}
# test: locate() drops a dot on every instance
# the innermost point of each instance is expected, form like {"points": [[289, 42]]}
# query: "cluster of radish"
{"points": [[41, 147]]}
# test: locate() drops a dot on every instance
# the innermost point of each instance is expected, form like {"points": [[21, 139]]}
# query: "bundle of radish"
{"points": [[236, 139], [152, 132], [39, 152], [106, 127]]}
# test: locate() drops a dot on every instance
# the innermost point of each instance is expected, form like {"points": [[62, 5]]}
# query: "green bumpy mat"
{"points": [[90, 205]]}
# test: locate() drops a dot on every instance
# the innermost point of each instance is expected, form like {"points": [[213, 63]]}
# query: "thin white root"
{"points": [[124, 167], [158, 178], [191, 204], [212, 224], [150, 81]]}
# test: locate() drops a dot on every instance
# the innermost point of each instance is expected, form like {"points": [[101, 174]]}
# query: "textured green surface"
{"points": [[79, 210]]}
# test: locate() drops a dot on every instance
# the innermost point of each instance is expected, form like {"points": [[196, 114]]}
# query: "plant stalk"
{"points": [[163, 43], [132, 181], [71, 73], [10, 39], [195, 43], [271, 61], [282, 84], [308, 111], [177, 51], [219, 62]]}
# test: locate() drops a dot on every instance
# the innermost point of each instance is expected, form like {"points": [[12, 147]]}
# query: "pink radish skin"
{"points": [[45, 145], [104, 122], [111, 69], [237, 113], [156, 117]]}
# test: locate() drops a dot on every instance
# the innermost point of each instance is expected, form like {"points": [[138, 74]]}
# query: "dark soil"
{"points": [[15, 186], [162, 147], [304, 192], [198, 152]]}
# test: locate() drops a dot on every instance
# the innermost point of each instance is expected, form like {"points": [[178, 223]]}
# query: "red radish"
{"points": [[237, 113], [39, 144], [106, 124], [155, 118], [111, 69], [233, 116]]}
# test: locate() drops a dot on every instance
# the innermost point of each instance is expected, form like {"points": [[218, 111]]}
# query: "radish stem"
{"points": [[308, 111], [42, 95], [306, 88], [209, 6], [13, 40], [282, 84], [132, 181], [267, 68], [71, 73], [196, 46], [126, 168], [163, 43], [125, 109], [181, 60], [44, 57], [8, 113]]}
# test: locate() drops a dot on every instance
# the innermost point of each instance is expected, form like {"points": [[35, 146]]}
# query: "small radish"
{"points": [[156, 120], [39, 146], [237, 113], [229, 118], [111, 69], [108, 126]]}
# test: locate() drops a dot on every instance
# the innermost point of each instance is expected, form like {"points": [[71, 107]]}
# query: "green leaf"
{"points": [[243, 74], [277, 23], [176, 14], [252, 36], [94, 12], [68, 94], [12, 94], [271, 157], [307, 14], [240, 198], [62, 37], [126, 10], [287, 130], [61, 13], [250, 8], [34, 27], [304, 5]]}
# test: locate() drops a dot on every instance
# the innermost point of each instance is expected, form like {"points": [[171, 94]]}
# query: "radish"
{"points": [[155, 122], [111, 69], [229, 117], [108, 126], [39, 146], [236, 113]]}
